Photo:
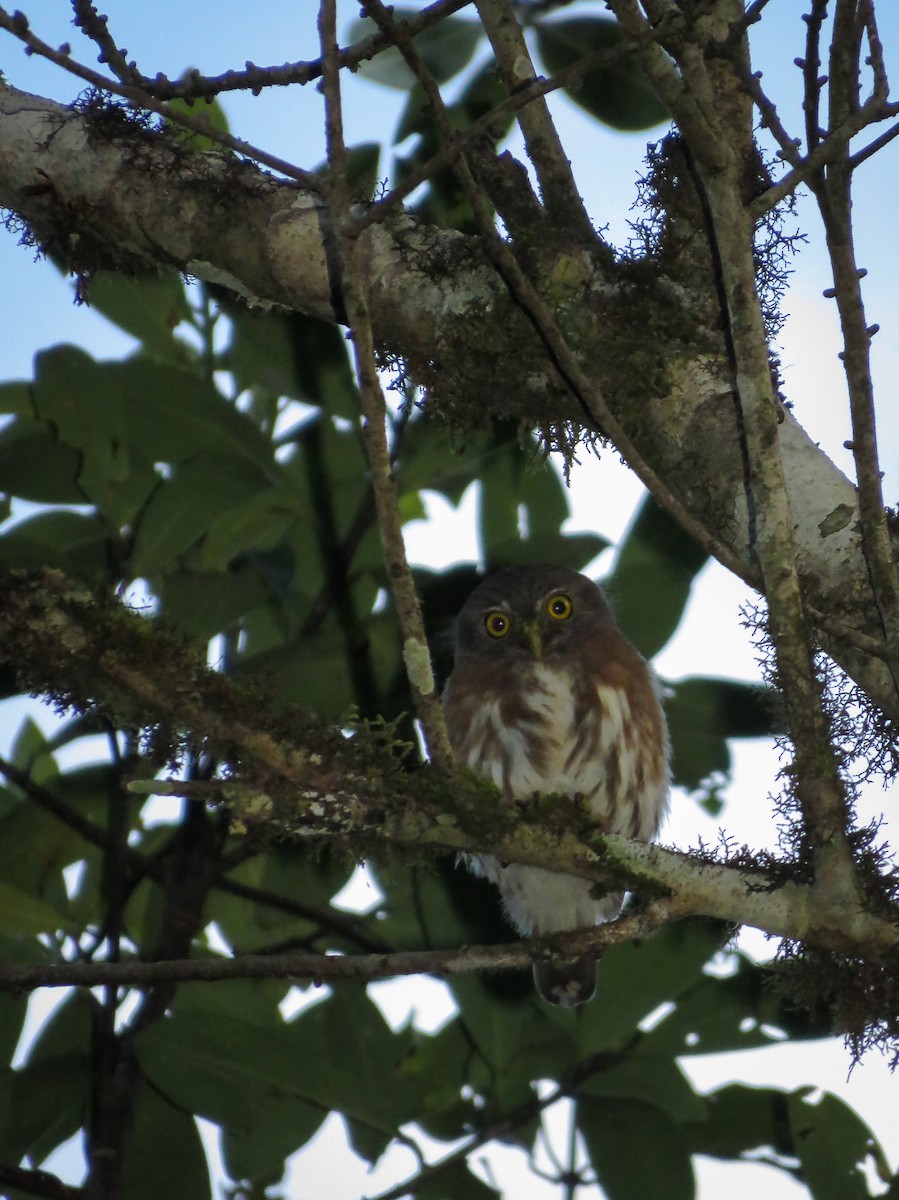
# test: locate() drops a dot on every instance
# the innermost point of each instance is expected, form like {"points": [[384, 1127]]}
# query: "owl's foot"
{"points": [[568, 984]]}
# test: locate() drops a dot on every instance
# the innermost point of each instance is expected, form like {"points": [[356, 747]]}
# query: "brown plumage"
{"points": [[548, 695]]}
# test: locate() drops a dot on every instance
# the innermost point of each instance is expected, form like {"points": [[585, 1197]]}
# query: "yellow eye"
{"points": [[559, 606], [497, 624]]}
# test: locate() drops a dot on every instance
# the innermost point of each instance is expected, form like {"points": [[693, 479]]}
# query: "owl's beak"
{"points": [[534, 638]]}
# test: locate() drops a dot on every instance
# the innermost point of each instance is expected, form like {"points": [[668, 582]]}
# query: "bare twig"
{"points": [[416, 652], [195, 86], [577, 1074], [39, 1183], [833, 191], [714, 116], [316, 968], [141, 99], [450, 150], [825, 152]]}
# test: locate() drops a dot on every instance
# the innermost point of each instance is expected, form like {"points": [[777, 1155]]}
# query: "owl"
{"points": [[548, 695]]}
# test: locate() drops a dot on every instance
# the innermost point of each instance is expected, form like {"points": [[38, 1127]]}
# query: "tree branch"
{"points": [[416, 653], [39, 1183], [133, 199], [140, 99], [558, 188], [693, 884], [319, 968]]}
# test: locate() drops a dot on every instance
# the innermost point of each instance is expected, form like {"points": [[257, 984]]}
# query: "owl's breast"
{"points": [[540, 732], [549, 730]]}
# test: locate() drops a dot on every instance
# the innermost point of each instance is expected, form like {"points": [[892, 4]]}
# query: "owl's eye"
{"points": [[559, 606], [497, 624]]}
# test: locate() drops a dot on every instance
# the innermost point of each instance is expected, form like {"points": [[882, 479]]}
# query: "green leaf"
{"points": [[30, 751], [638, 1152], [457, 1183], [739, 1119], [427, 462], [49, 1095], [340, 670], [15, 397], [23, 915], [618, 94], [226, 1054], [634, 980], [483, 93], [141, 409], [446, 48], [515, 1044], [14, 1008], [703, 713], [658, 1081], [164, 1154], [203, 603], [348, 1050], [150, 308], [183, 508], [523, 505], [833, 1144], [653, 574], [34, 848], [297, 356], [76, 544], [736, 1012], [259, 522], [49, 1101], [35, 465]]}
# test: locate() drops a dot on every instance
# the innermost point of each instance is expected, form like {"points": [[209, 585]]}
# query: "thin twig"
{"points": [[195, 86], [39, 1183], [416, 653], [833, 191], [825, 152], [720, 177], [140, 99], [316, 968], [577, 1074]]}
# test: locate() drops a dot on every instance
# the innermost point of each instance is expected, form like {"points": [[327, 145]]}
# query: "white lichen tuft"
{"points": [[418, 665]]}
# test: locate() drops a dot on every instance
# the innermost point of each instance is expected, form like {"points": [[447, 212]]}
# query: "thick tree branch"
{"points": [[693, 885], [303, 779], [135, 200]]}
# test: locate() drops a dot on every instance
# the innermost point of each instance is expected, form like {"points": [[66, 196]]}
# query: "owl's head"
{"points": [[531, 612]]}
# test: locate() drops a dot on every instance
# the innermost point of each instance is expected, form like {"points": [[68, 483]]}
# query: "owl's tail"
{"points": [[569, 983]]}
